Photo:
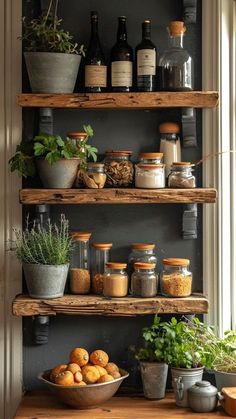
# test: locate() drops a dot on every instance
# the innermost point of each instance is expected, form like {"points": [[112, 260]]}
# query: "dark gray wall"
{"points": [[161, 224]]}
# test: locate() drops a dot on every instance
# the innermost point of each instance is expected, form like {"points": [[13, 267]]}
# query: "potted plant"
{"points": [[57, 160], [52, 58], [45, 254], [185, 354], [151, 358]]}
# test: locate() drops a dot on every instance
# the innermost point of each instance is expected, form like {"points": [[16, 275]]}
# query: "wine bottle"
{"points": [[121, 60], [95, 66], [146, 61]]}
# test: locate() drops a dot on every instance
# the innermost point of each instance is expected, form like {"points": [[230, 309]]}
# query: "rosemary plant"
{"points": [[50, 245]]}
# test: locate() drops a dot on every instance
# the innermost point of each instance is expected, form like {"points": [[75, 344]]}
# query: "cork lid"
{"points": [[182, 163], [116, 265], [77, 135], [102, 246], [169, 128], [176, 28], [142, 265], [95, 165], [118, 152], [143, 246], [151, 156], [151, 166], [80, 235], [176, 262]]}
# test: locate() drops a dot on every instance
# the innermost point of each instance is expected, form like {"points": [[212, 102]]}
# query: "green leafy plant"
{"points": [[51, 245], [154, 343], [52, 148], [44, 34]]}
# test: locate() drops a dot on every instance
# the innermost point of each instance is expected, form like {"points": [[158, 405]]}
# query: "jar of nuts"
{"points": [[119, 169], [79, 264], [176, 279], [94, 177], [101, 255]]}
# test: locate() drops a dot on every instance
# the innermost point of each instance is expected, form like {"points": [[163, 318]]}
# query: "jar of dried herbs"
{"points": [[79, 264], [144, 280], [100, 257], [119, 169], [176, 279], [181, 176], [94, 177]]}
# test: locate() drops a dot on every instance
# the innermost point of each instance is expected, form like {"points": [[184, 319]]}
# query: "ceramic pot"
{"points": [[61, 174], [182, 380], [45, 281], [225, 379], [202, 397], [52, 72], [154, 375]]}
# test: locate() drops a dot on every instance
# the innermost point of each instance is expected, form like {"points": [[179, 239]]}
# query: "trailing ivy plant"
{"points": [[52, 148], [44, 34]]}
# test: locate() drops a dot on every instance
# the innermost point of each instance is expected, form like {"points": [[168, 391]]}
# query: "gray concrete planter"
{"points": [[52, 72], [225, 379], [61, 174], [154, 375], [182, 380], [45, 281]]}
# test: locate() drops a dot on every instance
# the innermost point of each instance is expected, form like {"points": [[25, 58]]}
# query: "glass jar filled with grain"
{"points": [[144, 280], [176, 279], [79, 264], [181, 176], [119, 169], [115, 280], [101, 255]]}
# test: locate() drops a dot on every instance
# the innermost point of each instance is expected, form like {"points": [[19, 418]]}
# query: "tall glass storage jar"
{"points": [[79, 264], [175, 64], [144, 280], [115, 280], [176, 279], [170, 144], [119, 169], [101, 256]]}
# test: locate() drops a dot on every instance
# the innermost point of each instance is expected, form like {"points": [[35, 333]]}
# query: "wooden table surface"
{"points": [[45, 406]]}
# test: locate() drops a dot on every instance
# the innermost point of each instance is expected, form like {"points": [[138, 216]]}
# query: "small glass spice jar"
{"points": [[181, 176], [144, 280], [176, 279], [94, 177], [79, 265], [118, 168], [115, 280], [149, 176], [101, 255], [150, 158]]}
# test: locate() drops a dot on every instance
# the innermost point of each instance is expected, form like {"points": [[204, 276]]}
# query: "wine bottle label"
{"points": [[95, 76], [146, 62], [121, 73]]}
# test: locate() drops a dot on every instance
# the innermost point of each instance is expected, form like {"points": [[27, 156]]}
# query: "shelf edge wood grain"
{"points": [[150, 100], [117, 196], [90, 305]]}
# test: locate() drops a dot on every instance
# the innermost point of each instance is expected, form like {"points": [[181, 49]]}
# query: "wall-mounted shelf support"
{"points": [[189, 127], [189, 224], [41, 330], [190, 11], [46, 120]]}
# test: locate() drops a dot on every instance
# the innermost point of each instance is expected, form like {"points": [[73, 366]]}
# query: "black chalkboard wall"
{"points": [[122, 225]]}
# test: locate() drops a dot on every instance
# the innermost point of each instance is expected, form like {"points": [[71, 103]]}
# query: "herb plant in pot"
{"points": [[57, 160], [45, 253], [185, 355], [52, 58], [151, 357]]}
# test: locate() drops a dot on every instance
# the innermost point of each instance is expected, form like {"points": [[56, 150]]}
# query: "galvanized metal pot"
{"points": [[154, 375], [182, 380], [225, 379], [61, 174], [45, 281], [52, 72]]}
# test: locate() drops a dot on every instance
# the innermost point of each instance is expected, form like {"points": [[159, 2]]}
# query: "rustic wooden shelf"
{"points": [[150, 100], [118, 196], [90, 305], [45, 406]]}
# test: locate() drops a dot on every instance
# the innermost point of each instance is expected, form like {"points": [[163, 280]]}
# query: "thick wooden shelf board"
{"points": [[45, 406], [152, 100], [90, 305], [117, 196]]}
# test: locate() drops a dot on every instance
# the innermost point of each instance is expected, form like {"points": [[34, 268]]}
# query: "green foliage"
{"points": [[52, 148], [45, 35], [47, 246]]}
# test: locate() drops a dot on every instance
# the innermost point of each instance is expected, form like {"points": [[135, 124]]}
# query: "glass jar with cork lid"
{"points": [[176, 279], [170, 144], [79, 264], [181, 176], [78, 139], [144, 280], [101, 255], [142, 252], [94, 177], [118, 168], [115, 280], [150, 176], [150, 158]]}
